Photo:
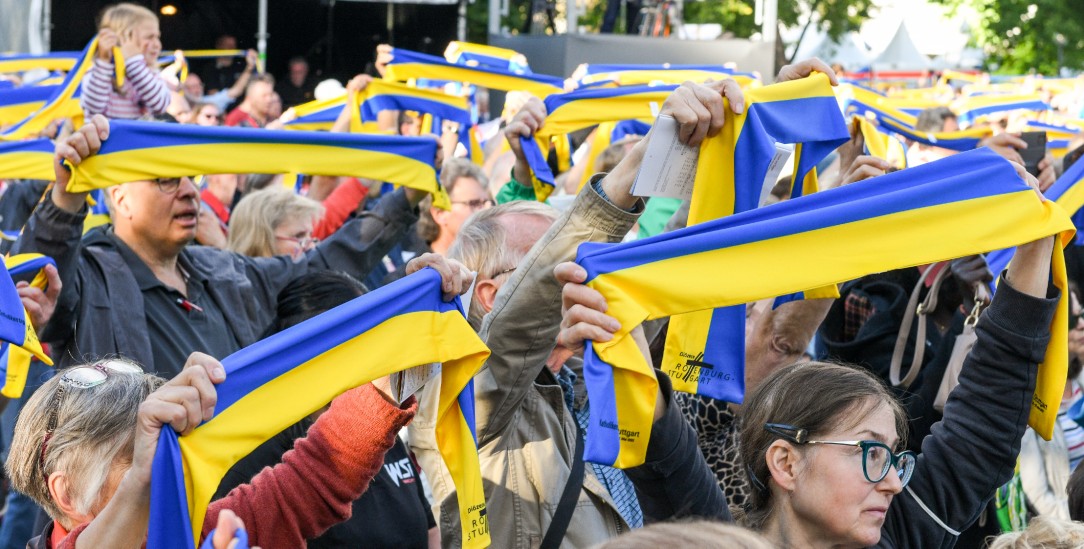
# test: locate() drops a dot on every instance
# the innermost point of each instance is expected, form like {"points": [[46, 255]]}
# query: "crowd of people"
{"points": [[830, 447]]}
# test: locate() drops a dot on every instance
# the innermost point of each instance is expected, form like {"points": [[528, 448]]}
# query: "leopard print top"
{"points": [[717, 429]]}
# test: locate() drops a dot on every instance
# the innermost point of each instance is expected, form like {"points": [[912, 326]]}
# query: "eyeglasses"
{"points": [[877, 457], [506, 271], [83, 377], [306, 243], [476, 204], [169, 185]]}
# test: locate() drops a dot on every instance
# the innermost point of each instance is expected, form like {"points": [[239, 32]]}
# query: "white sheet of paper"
{"points": [[669, 166], [783, 153]]}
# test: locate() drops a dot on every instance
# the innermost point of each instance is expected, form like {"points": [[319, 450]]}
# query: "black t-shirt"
{"points": [[393, 512]]}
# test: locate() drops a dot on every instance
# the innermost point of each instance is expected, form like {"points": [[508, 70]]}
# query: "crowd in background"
{"points": [[830, 448]]}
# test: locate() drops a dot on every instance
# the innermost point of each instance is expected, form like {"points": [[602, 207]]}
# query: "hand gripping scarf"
{"points": [[138, 151], [406, 65], [568, 112], [1067, 192], [705, 350], [15, 353], [31, 159], [274, 383], [964, 204], [63, 103]]}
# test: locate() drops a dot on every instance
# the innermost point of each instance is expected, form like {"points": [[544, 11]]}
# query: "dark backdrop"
{"points": [[296, 27]]}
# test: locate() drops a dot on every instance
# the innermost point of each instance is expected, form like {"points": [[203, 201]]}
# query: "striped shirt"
{"points": [[143, 92], [1074, 433]]}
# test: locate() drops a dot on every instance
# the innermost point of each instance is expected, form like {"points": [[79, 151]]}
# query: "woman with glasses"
{"points": [[85, 442], [821, 442], [274, 222]]}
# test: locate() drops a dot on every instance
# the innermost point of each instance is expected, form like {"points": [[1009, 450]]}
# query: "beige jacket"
{"points": [[525, 432]]}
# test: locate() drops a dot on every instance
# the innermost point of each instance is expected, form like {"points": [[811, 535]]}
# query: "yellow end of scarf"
{"points": [[118, 66]]}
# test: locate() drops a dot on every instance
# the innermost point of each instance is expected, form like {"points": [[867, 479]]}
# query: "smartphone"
{"points": [[1035, 152]]}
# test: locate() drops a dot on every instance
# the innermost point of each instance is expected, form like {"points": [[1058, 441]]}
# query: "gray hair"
{"points": [[451, 172], [94, 432], [482, 242], [933, 119]]}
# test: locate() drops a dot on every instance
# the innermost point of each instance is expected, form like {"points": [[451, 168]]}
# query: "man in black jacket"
{"points": [[139, 290]]}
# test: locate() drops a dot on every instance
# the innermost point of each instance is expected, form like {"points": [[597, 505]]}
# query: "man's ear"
{"points": [[485, 291], [784, 461], [118, 195]]}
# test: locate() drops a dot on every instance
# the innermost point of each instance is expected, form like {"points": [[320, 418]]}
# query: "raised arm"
{"points": [[525, 320], [316, 483], [973, 450], [56, 226]]}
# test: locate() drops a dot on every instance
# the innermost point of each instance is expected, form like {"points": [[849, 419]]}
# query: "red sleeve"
{"points": [[338, 205], [315, 485], [235, 117]]}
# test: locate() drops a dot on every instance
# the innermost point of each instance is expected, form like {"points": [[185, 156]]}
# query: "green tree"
{"points": [[835, 17], [1021, 36]]}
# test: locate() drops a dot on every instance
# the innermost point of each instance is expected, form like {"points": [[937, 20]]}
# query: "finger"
{"points": [[200, 380], [94, 143], [700, 126], [210, 365], [1046, 162], [224, 531], [579, 314], [78, 141], [22, 284], [864, 172], [575, 336], [558, 357], [1009, 154], [1012, 141], [573, 294], [733, 94], [187, 398], [101, 123], [66, 152], [163, 412], [712, 101], [52, 281], [569, 272]]}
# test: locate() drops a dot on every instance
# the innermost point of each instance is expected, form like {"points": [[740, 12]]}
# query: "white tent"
{"points": [[850, 51], [901, 54]]}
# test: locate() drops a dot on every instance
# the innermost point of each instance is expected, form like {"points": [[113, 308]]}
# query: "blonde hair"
{"points": [[121, 18], [1043, 532], [254, 220], [94, 432], [701, 534]]}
